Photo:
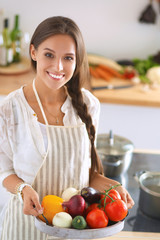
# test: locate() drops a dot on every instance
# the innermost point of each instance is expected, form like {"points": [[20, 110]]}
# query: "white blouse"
{"points": [[22, 137]]}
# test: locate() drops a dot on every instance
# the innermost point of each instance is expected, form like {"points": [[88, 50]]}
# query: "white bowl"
{"points": [[72, 233]]}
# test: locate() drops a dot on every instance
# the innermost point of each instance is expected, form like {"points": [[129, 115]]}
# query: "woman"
{"points": [[47, 140]]}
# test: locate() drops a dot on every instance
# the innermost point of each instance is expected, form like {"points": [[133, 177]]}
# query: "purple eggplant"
{"points": [[90, 195]]}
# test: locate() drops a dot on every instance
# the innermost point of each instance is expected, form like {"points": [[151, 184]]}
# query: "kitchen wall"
{"points": [[110, 28]]}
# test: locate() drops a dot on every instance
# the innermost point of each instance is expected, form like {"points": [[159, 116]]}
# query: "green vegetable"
{"points": [[79, 222], [144, 79], [142, 66]]}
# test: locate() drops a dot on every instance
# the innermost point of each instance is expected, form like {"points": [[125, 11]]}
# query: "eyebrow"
{"points": [[48, 49]]}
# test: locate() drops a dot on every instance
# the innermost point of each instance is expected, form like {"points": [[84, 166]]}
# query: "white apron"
{"points": [[66, 164]]}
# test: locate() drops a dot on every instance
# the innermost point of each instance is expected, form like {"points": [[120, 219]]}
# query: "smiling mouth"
{"points": [[56, 76]]}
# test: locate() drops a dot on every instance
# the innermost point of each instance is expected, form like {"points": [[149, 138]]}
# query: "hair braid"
{"points": [[82, 110]]}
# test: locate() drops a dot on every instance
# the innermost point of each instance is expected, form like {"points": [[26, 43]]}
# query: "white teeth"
{"points": [[56, 76]]}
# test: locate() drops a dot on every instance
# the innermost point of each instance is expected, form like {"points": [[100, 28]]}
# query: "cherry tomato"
{"points": [[117, 210], [129, 75], [113, 194], [97, 218]]}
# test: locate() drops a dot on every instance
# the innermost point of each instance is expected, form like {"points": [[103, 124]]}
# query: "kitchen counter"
{"points": [[133, 235], [9, 82], [129, 96], [135, 95]]}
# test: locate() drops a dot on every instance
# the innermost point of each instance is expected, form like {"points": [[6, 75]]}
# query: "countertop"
{"points": [[135, 95], [129, 96], [133, 235], [11, 82]]}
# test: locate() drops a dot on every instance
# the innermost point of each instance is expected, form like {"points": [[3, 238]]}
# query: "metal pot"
{"points": [[115, 153], [149, 198]]}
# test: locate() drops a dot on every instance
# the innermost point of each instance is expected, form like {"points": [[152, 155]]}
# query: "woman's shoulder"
{"points": [[89, 98], [8, 101]]}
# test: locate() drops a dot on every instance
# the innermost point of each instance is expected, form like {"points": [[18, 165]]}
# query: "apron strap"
{"points": [[39, 102], [44, 116]]}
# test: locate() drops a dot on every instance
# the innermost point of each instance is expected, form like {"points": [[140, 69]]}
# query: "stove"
{"points": [[137, 220]]}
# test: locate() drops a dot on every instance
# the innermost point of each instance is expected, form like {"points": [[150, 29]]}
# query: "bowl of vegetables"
{"points": [[87, 214]]}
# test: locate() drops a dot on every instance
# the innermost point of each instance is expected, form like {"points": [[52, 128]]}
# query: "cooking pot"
{"points": [[149, 198], [115, 153]]}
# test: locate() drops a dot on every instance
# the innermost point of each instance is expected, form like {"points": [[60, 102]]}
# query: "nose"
{"points": [[59, 65]]}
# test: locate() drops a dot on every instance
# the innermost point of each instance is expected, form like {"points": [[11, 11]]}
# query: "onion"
{"points": [[62, 219], [75, 206]]}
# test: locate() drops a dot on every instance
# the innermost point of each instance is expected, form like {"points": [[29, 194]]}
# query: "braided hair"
{"points": [[62, 25]]}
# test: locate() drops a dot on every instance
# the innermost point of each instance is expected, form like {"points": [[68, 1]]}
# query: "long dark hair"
{"points": [[62, 25]]}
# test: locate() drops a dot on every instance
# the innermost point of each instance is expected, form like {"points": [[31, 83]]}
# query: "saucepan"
{"points": [[149, 198], [115, 153]]}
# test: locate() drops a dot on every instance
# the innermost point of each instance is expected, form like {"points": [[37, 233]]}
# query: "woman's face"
{"points": [[56, 60]]}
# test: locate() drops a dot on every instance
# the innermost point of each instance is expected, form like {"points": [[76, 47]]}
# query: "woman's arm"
{"points": [[101, 183], [31, 205]]}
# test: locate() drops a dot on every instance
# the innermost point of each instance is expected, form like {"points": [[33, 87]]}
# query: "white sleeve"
{"points": [[6, 163]]}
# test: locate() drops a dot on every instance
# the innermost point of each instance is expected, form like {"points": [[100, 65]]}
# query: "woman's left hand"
{"points": [[102, 183], [126, 197]]}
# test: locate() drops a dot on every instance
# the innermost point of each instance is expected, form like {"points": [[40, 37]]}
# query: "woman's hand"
{"points": [[102, 183], [126, 197], [31, 205]]}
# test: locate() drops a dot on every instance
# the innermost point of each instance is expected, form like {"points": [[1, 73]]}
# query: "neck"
{"points": [[50, 96]]}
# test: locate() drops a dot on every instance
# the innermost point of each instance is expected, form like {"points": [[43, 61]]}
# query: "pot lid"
{"points": [[113, 144], [150, 182]]}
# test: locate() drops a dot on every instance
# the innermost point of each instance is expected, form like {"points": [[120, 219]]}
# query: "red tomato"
{"points": [[117, 210], [97, 218], [129, 75], [91, 207], [113, 194]]}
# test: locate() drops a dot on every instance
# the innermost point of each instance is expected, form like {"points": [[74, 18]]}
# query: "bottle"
{"points": [[16, 35], [6, 52]]}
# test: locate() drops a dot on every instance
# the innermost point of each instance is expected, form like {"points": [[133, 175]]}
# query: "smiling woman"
{"points": [[48, 129]]}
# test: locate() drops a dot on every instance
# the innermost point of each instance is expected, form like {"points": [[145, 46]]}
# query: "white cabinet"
{"points": [[139, 124]]}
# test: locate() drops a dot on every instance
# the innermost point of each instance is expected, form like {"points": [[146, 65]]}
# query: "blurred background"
{"points": [[110, 28]]}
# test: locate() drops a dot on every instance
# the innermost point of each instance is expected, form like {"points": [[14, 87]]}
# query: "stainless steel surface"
{"points": [[116, 157], [138, 220], [149, 200]]}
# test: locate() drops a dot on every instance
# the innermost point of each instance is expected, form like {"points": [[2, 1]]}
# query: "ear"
{"points": [[33, 52]]}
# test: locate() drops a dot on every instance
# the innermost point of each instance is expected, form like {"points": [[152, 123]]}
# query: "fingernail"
{"points": [[40, 211]]}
